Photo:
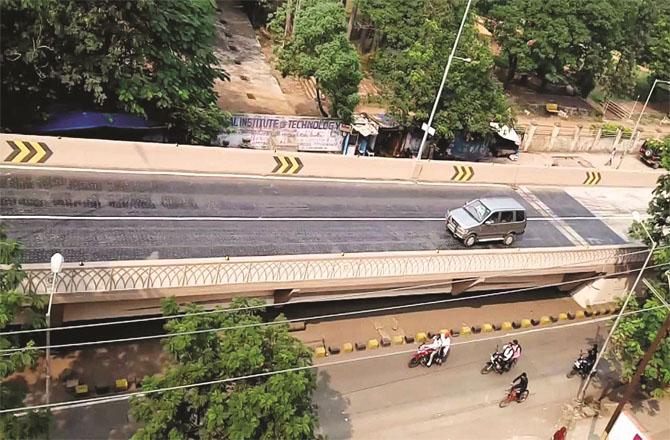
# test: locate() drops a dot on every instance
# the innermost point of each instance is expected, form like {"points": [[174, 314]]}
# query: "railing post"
{"points": [[304, 275], [111, 279], [183, 276]]}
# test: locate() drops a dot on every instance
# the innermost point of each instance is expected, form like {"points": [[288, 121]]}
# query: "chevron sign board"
{"points": [[28, 152], [287, 165], [592, 178], [463, 173]]}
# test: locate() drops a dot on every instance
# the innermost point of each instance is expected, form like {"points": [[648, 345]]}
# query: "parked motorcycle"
{"points": [[582, 366], [423, 354], [496, 363], [513, 396]]}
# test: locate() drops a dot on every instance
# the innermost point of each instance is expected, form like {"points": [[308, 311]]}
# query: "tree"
{"points": [[635, 333], [659, 48], [415, 39], [275, 406], [319, 47], [13, 304], [152, 58], [559, 40]]}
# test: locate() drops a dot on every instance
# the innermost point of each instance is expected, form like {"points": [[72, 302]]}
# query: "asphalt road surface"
{"points": [[384, 399], [103, 216]]}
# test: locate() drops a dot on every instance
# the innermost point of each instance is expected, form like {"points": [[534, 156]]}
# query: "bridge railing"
{"points": [[284, 270]]}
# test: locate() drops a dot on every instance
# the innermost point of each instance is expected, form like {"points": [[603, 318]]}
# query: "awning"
{"points": [[506, 132], [364, 126]]}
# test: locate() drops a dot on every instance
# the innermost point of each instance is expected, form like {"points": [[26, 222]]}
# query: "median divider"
{"points": [[465, 330]]}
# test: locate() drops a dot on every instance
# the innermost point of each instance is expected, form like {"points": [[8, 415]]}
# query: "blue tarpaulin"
{"points": [[78, 120]]}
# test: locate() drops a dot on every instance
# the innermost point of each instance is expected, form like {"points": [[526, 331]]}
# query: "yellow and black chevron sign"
{"points": [[28, 152], [462, 173], [592, 178], [287, 165]]}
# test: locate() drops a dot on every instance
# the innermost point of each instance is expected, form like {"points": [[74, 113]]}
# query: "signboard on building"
{"points": [[270, 132]]}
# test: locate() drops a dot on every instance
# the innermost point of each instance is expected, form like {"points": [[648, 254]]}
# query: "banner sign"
{"points": [[269, 132]]}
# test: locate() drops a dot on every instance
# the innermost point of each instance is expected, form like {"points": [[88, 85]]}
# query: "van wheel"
{"points": [[509, 239], [470, 240]]}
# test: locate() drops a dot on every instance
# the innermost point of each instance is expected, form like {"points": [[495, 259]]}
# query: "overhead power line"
{"points": [[333, 298], [7, 352], [109, 399]]}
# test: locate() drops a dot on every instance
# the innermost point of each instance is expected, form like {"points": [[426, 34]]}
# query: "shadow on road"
{"points": [[334, 421]]}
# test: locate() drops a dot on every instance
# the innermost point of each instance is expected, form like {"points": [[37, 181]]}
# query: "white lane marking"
{"points": [[280, 219], [565, 229], [245, 176]]}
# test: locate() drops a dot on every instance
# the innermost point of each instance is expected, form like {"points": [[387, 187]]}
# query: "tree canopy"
{"points": [[152, 58], [318, 47], [582, 42], [415, 39], [12, 304], [276, 406], [635, 333]]}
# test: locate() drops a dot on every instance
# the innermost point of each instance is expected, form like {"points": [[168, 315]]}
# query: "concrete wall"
{"points": [[603, 290], [172, 158], [582, 138]]}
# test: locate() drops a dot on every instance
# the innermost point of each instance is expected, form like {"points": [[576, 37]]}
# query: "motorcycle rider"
{"points": [[440, 345], [592, 354], [507, 354], [510, 353], [522, 386]]}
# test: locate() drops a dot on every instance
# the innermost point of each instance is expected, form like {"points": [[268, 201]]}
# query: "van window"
{"points": [[494, 218], [507, 217], [520, 216], [477, 210]]}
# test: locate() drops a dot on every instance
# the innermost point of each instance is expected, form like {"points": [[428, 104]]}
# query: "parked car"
{"points": [[650, 151], [487, 219]]}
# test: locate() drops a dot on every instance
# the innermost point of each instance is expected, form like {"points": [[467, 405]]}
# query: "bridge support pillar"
{"points": [[602, 290]]}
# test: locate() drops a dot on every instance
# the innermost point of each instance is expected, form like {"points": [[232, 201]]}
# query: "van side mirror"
{"points": [[488, 222]]}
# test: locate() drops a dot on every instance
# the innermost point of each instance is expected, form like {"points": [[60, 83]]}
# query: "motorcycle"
{"points": [[513, 396], [496, 363], [581, 366], [422, 356]]}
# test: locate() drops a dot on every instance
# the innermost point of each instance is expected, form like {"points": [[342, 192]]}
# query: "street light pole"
{"points": [[56, 266], [582, 391], [644, 107], [444, 79]]}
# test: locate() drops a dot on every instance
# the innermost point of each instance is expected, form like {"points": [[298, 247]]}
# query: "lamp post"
{"points": [[639, 118], [637, 218], [57, 261], [444, 79]]}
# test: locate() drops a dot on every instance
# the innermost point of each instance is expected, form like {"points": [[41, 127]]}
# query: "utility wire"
{"points": [[108, 399], [263, 306], [8, 352]]}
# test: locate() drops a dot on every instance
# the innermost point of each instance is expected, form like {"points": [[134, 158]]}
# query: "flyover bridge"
{"points": [[124, 288]]}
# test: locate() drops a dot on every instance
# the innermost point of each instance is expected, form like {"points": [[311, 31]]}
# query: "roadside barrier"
{"points": [[29, 150], [465, 330]]}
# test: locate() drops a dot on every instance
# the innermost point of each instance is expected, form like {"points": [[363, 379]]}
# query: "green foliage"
{"points": [[636, 332], [415, 41], [659, 48], [12, 304], [611, 129], [152, 58], [268, 407], [558, 40], [318, 47]]}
